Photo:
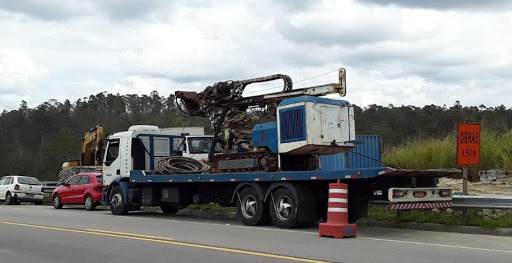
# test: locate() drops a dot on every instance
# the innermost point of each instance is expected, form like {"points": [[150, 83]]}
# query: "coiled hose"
{"points": [[180, 165]]}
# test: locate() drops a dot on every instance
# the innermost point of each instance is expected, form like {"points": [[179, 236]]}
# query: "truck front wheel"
{"points": [[116, 202], [250, 207]]}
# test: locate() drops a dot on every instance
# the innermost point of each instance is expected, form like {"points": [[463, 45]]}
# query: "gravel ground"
{"points": [[499, 187]]}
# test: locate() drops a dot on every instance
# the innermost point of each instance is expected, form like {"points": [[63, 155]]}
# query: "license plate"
{"points": [[420, 194], [30, 195]]}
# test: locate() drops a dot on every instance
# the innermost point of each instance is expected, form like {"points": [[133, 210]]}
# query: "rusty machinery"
{"points": [[227, 109]]}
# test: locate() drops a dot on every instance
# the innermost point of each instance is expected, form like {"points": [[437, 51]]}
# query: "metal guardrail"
{"points": [[49, 186], [483, 201]]}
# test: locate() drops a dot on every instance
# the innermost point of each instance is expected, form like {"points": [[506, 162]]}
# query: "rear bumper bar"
{"points": [[426, 205]]}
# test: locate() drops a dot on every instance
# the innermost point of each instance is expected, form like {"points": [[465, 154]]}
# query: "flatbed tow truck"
{"points": [[270, 172]]}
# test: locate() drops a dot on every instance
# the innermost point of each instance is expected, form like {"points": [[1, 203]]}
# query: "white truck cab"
{"points": [[142, 146]]}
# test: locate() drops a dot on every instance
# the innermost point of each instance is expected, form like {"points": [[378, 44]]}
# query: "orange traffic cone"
{"points": [[337, 225]]}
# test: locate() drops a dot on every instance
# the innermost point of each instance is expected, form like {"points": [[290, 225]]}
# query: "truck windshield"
{"points": [[202, 145]]}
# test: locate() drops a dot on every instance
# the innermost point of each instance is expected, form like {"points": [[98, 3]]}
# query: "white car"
{"points": [[15, 189]]}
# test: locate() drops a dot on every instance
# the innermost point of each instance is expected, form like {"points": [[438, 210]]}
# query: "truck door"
{"points": [[111, 161]]}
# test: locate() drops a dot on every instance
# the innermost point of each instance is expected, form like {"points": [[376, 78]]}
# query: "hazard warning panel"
{"points": [[468, 144]]}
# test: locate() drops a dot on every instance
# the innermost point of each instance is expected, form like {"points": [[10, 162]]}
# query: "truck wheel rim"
{"points": [[249, 206], [116, 200], [283, 208]]}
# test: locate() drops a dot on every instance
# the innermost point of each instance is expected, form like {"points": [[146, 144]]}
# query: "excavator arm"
{"points": [[92, 146]]}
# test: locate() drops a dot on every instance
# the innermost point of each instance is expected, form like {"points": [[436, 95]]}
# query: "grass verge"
{"points": [[488, 218], [495, 152], [212, 207]]}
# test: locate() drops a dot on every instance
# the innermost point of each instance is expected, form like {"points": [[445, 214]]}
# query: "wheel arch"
{"points": [[259, 188], [87, 194], [289, 186], [122, 182]]}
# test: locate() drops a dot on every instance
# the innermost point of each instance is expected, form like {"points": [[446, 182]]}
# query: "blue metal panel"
{"points": [[151, 151], [265, 135], [292, 123], [366, 154], [314, 100]]}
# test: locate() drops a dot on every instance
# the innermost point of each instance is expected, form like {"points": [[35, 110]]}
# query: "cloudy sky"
{"points": [[395, 51]]}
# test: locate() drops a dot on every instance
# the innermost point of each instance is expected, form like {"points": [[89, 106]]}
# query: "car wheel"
{"points": [[8, 199], [167, 209], [56, 202], [283, 209], [89, 203], [116, 202]]}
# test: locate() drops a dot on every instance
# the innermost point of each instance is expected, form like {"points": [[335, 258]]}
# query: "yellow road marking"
{"points": [[128, 234], [132, 236]]}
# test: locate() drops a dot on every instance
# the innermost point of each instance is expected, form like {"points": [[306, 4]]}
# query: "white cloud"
{"points": [[394, 53], [19, 74]]}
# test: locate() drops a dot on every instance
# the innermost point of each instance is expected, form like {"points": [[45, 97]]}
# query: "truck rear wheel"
{"points": [[116, 202], [283, 209], [250, 207]]}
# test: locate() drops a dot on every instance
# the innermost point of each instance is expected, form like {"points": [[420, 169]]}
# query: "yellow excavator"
{"points": [[91, 149], [90, 160]]}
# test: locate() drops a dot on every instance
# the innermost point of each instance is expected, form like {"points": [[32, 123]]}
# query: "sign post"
{"points": [[468, 152]]}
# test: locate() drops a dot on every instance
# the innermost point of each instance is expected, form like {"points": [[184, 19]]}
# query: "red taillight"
{"points": [[445, 192], [17, 187], [98, 188], [398, 193], [420, 194]]}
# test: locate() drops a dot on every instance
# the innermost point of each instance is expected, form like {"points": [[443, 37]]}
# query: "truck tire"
{"points": [[89, 203], [168, 209], [57, 204], [283, 208], [251, 208], [8, 199], [116, 202]]}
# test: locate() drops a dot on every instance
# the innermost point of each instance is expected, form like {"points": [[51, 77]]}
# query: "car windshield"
{"points": [[202, 145], [28, 180]]}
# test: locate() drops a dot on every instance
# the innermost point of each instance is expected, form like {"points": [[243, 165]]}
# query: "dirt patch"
{"points": [[501, 186]]}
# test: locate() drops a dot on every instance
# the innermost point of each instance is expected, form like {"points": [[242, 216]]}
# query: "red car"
{"points": [[83, 188]]}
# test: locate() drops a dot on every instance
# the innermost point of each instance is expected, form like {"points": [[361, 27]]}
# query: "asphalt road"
{"points": [[43, 234]]}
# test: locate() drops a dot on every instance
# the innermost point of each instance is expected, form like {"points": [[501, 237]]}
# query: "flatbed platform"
{"points": [[366, 173]]}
